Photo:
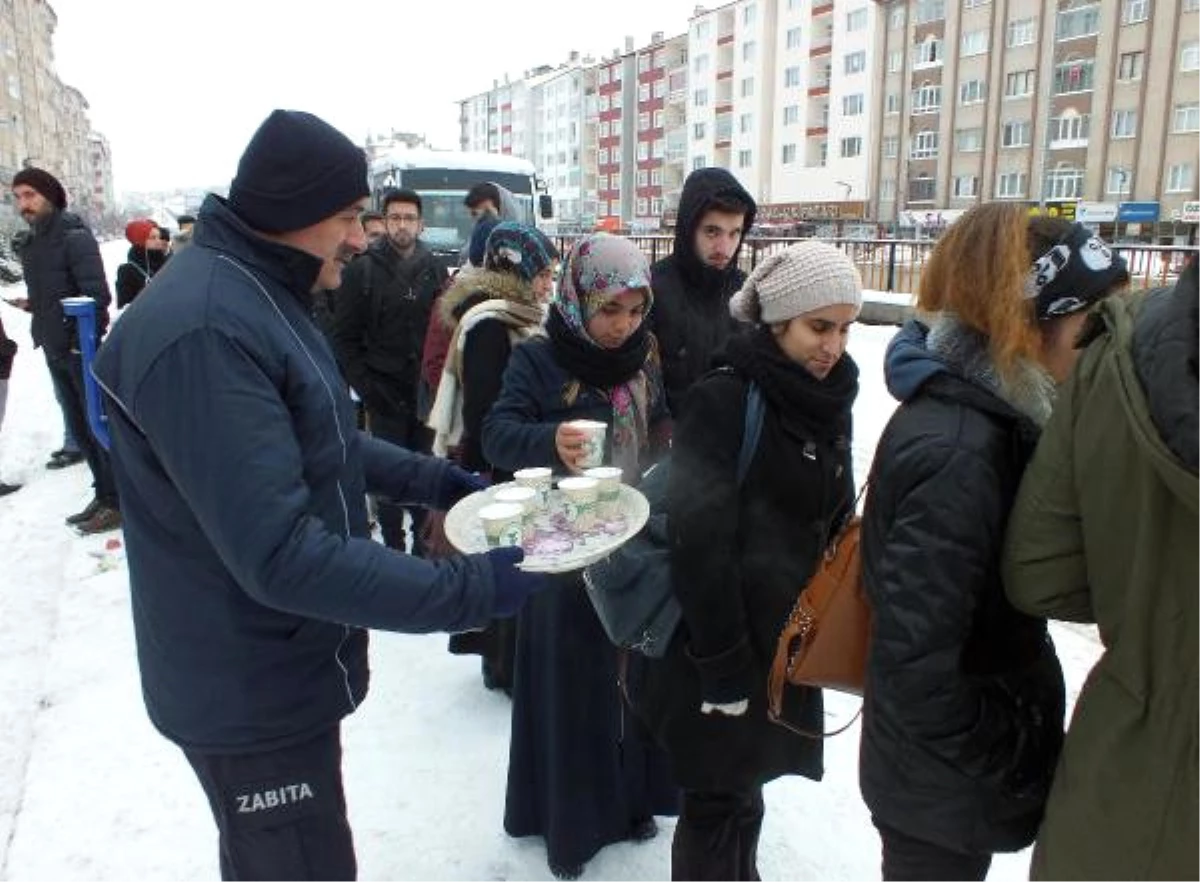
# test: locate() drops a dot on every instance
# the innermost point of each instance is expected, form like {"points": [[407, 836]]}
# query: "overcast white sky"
{"points": [[179, 87]]}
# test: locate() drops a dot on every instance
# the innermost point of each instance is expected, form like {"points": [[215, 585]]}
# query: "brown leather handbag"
{"points": [[824, 643]]}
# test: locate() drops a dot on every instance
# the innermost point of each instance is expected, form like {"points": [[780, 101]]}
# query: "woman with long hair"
{"points": [[963, 708], [580, 772]]}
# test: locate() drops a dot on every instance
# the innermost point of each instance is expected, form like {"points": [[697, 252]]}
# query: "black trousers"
{"points": [[906, 858], [280, 814], [403, 430], [717, 836], [66, 372]]}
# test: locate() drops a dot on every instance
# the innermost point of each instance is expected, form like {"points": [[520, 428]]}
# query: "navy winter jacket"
{"points": [[242, 482]]}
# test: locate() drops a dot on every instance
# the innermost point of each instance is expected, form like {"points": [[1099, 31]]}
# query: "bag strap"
{"points": [[751, 430]]}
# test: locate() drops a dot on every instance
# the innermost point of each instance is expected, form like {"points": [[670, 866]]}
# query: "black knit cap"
{"points": [[297, 171], [44, 182]]}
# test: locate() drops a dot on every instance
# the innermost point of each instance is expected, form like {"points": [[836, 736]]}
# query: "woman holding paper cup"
{"points": [[741, 552], [580, 773]]}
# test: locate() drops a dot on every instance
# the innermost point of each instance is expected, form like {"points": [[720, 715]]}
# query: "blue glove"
{"points": [[456, 484], [512, 586]]}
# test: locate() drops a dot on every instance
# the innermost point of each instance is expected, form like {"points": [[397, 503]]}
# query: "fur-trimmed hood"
{"points": [[473, 285]]}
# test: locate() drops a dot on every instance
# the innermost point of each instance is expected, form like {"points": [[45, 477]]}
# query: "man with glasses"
{"points": [[380, 315]]}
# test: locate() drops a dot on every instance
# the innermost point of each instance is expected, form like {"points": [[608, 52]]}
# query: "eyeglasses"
{"points": [[403, 218]]}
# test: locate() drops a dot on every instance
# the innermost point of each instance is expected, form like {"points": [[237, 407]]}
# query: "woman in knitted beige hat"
{"points": [[741, 550]]}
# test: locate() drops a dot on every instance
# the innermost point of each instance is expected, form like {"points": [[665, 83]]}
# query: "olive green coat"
{"points": [[1105, 530]]}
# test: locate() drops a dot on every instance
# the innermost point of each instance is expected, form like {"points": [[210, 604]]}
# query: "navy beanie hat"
{"points": [[519, 250], [45, 183], [297, 171], [477, 249]]}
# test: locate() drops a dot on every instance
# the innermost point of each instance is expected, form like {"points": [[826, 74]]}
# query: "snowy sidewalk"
{"points": [[88, 789]]}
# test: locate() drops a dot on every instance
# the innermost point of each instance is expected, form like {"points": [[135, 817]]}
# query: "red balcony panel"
{"points": [[822, 9], [818, 91], [817, 130], [818, 51]]}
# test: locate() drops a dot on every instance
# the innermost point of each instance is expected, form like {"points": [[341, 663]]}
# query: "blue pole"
{"points": [[83, 310]]}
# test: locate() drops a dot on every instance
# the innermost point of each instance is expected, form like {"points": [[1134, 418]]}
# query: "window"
{"points": [[1189, 56], [603, 158], [927, 99], [602, 182], [1021, 32], [928, 53], [1124, 123], [616, 100], [1134, 11], [1074, 76], [659, 149], [700, 64], [852, 105], [746, 123], [1016, 134], [643, 151], [699, 98], [856, 19], [698, 131], [974, 42], [700, 161], [642, 177], [1069, 130], [643, 63], [604, 129], [891, 103], [896, 61], [791, 76], [791, 115], [660, 88], [789, 154], [1179, 178], [971, 4], [643, 121], [1083, 21], [1010, 185], [658, 119], [747, 87], [656, 177], [891, 147], [969, 140], [603, 104], [924, 145], [794, 38], [972, 92], [1119, 182], [1019, 83], [602, 79], [1130, 66], [929, 10], [1187, 117], [887, 189], [703, 28], [855, 62], [749, 50], [745, 158], [896, 19], [643, 93], [748, 14], [851, 147], [922, 188], [643, 205], [966, 186], [1065, 182], [1191, 5]]}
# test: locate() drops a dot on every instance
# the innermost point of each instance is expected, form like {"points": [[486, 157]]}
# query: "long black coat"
{"points": [[135, 273], [691, 300], [61, 259], [962, 718], [739, 559]]}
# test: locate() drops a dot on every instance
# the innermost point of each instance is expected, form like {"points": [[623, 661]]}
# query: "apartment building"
{"points": [[616, 89], [1042, 103], [660, 118]]}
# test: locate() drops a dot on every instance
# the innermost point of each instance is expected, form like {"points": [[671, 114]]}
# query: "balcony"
{"points": [[820, 50], [725, 39], [818, 90], [820, 9], [817, 131]]}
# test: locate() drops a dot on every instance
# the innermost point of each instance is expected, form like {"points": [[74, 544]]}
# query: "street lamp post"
{"points": [[1122, 177]]}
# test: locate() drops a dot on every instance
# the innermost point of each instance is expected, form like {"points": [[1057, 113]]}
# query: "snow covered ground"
{"points": [[88, 790]]}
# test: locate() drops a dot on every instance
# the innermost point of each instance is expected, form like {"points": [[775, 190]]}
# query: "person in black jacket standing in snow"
{"points": [[251, 566], [61, 259], [380, 316], [695, 282]]}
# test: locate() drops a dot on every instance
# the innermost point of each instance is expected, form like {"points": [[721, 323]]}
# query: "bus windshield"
{"points": [[448, 225]]}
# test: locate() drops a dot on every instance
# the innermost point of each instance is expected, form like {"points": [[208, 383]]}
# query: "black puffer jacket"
{"points": [[381, 313], [133, 275], [962, 718], [739, 556], [691, 300], [60, 258]]}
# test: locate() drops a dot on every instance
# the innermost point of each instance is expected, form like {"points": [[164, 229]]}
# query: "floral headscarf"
{"points": [[599, 268]]}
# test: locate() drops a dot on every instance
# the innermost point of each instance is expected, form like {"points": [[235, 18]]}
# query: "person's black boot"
{"points": [[79, 517], [6, 489]]}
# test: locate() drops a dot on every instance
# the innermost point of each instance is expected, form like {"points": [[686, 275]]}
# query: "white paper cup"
{"points": [[608, 489], [527, 498], [580, 495], [503, 523], [593, 447], [539, 479]]}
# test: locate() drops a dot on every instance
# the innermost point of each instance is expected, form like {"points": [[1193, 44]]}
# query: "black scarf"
{"points": [[821, 408], [593, 365]]}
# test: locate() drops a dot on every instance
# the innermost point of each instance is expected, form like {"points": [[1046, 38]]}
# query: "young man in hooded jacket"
{"points": [[695, 282], [252, 571]]}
